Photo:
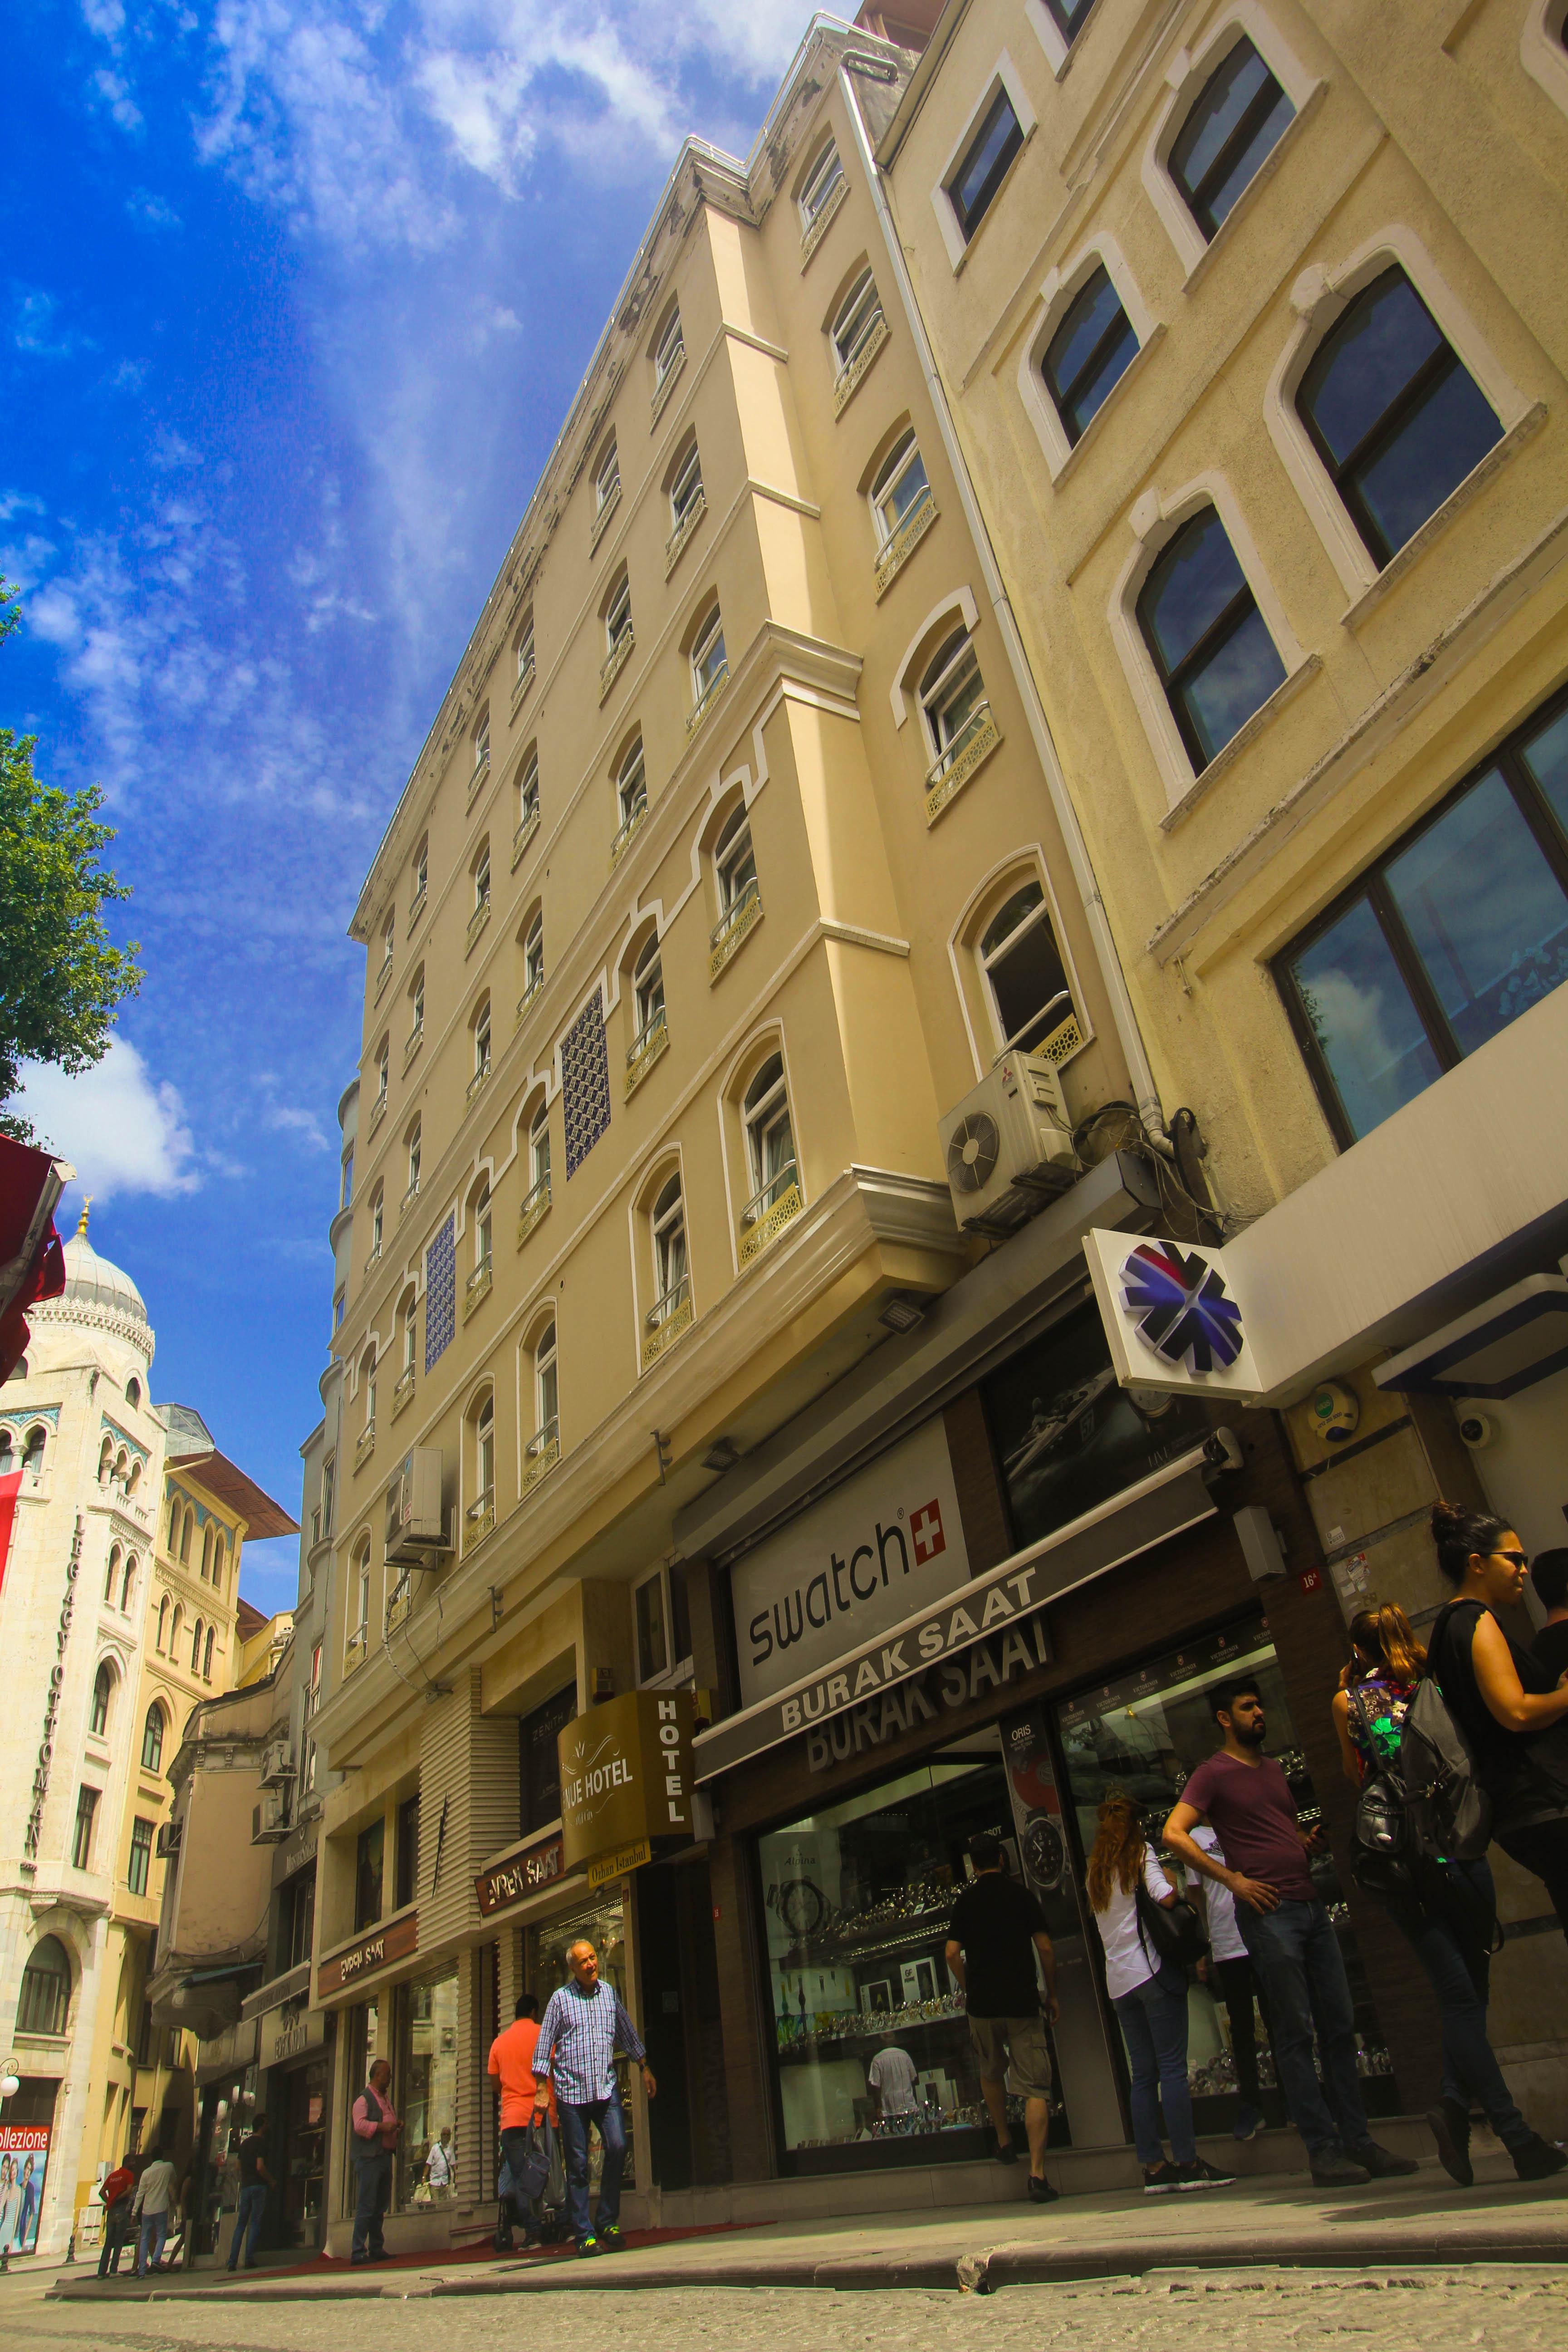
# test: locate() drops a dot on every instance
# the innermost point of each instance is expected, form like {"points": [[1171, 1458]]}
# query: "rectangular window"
{"points": [[81, 1836], [679, 1614], [652, 1654], [348, 1193], [406, 1884], [368, 1854], [538, 1760], [140, 1856], [985, 165], [1458, 928]]}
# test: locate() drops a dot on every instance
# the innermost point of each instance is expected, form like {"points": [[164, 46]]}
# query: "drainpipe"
{"points": [[1145, 1089]]}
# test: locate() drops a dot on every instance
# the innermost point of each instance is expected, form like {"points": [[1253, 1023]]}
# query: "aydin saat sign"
{"points": [[886, 1544]]}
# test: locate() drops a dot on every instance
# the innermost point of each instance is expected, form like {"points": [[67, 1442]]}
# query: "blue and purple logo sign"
{"points": [[1178, 1301]]}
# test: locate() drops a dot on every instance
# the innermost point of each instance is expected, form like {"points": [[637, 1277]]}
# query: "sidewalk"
{"points": [[1271, 2222]]}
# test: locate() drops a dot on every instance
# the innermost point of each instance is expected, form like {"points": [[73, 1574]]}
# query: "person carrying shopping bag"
{"points": [[1149, 1994]]}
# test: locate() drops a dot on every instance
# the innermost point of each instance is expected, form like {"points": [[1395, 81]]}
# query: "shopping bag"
{"points": [[539, 2156]]}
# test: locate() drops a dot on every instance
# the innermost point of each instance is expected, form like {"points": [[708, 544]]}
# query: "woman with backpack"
{"points": [[1149, 1994], [1507, 1702], [1446, 1910]]}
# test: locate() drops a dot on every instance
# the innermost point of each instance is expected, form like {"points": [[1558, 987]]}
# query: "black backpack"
{"points": [[1381, 1837], [1447, 1814], [1173, 1929]]}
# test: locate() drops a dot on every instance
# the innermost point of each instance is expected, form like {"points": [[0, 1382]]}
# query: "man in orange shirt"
{"points": [[511, 2064]]}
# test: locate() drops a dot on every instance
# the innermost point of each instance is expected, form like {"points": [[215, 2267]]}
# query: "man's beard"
{"points": [[1251, 1735]]}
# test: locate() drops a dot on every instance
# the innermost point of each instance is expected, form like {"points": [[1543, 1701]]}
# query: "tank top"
{"points": [[1501, 1756]]}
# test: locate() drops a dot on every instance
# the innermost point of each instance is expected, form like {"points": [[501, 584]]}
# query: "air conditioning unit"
{"points": [[166, 1845], [269, 1819], [277, 1764], [415, 1521], [1008, 1145]]}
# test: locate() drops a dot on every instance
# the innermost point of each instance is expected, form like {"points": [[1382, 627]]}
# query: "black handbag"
{"points": [[1169, 1931]]}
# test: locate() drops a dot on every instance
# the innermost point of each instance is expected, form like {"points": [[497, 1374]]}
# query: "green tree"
{"points": [[62, 981]]}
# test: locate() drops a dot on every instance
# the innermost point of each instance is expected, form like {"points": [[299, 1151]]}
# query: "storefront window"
{"points": [[1067, 1437], [856, 1899], [603, 1920], [1145, 1733], [425, 2073], [364, 2047], [407, 1877], [304, 2179]]}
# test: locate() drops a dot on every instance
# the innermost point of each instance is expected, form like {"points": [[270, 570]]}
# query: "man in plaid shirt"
{"points": [[583, 2026]]}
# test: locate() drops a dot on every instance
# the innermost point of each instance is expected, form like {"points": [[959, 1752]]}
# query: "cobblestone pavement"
{"points": [[1505, 2308]]}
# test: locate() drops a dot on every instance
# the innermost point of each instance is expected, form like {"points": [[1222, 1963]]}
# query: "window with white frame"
{"points": [[983, 165], [770, 1138], [377, 1217], [388, 938], [952, 695], [360, 1602], [1067, 16], [631, 786], [421, 876], [735, 863], [1088, 354], [899, 489], [619, 613], [824, 177], [662, 1616], [1232, 127], [482, 1039], [669, 350], [482, 744], [528, 791], [367, 1385], [414, 1147], [686, 488], [346, 1182], [1031, 998], [539, 1146], [408, 1334], [854, 321], [647, 988], [546, 1392], [670, 1269], [484, 1458], [1396, 419], [710, 662], [482, 877], [1206, 637], [102, 1692], [482, 1227], [606, 477], [416, 1004], [128, 1584], [533, 956], [382, 1071], [525, 646]]}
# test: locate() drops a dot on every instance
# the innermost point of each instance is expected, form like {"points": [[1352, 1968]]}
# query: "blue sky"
{"points": [[293, 296]]}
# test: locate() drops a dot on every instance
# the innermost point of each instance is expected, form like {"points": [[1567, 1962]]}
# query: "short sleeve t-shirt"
{"points": [[892, 2076], [250, 2153], [511, 2064], [1127, 1963], [1219, 1902], [995, 1920], [1253, 1814]]}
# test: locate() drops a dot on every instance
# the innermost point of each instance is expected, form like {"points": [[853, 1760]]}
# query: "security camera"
{"points": [[1478, 1430]]}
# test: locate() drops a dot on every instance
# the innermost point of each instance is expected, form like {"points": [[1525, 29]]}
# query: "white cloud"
{"points": [[122, 1130], [291, 1120], [115, 91]]}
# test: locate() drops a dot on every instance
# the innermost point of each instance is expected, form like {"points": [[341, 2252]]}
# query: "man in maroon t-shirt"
{"points": [[1287, 1932]]}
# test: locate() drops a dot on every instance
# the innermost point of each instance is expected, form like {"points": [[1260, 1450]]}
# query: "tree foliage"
{"points": [[61, 979]]}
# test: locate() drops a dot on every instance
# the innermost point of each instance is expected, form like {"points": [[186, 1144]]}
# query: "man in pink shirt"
{"points": [[376, 2131]]}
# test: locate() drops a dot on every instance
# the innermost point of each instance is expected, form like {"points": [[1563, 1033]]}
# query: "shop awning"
{"points": [[1172, 1498], [32, 1262], [1511, 1341]]}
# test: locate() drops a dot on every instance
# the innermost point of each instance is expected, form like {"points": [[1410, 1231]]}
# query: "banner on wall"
{"points": [[24, 2161]]}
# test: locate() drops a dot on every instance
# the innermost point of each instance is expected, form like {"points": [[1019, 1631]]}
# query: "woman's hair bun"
{"points": [[1446, 1520]]}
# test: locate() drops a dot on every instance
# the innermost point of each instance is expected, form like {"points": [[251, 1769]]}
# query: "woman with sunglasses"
{"points": [[1506, 1701]]}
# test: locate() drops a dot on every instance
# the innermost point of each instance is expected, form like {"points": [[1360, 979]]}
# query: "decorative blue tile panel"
{"points": [[441, 1291], [585, 1082]]}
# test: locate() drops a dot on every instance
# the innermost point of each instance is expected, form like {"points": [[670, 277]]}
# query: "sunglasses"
{"points": [[1514, 1558]]}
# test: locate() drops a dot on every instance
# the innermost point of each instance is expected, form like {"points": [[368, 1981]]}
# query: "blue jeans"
{"points": [[612, 2125], [374, 2195], [247, 2222], [119, 2232], [1450, 1931], [155, 2230], [1298, 1959], [1153, 2018]]}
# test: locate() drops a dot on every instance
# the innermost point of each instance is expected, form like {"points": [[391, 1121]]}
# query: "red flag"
{"points": [[8, 1486]]}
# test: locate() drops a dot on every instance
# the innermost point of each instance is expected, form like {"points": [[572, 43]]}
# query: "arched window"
{"points": [[952, 694], [377, 1222], [534, 959], [175, 1625], [421, 880], [685, 491], [710, 662], [648, 990], [1232, 127], [734, 864], [854, 321], [770, 1140], [1088, 354], [823, 181], [414, 1147], [522, 645], [482, 1228], [7, 1451], [481, 748], [208, 1552], [105, 1462], [416, 1008], [408, 1328], [1396, 417], [135, 1480], [111, 1574], [672, 1270], [985, 163], [539, 1148], [207, 1656], [44, 2001], [1026, 978], [152, 1740], [196, 1633], [162, 1643], [382, 1073], [33, 1457], [133, 1392], [219, 1554], [484, 1456], [128, 1588], [900, 489], [481, 1043], [367, 1383], [1210, 643], [480, 869], [618, 615], [669, 350], [527, 800], [102, 1692], [631, 795], [607, 478], [546, 1392]]}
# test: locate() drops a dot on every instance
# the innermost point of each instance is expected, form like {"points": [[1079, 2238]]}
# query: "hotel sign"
{"points": [[626, 1775], [528, 1872], [374, 1951]]}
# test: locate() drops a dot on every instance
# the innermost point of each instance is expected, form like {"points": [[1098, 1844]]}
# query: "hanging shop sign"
{"points": [[885, 1543], [1169, 1500], [289, 2032], [518, 1876], [1173, 1317], [377, 1950], [626, 1775], [615, 1865], [295, 1853]]}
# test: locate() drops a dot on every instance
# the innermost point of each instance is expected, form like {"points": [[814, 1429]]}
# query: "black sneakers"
{"points": [[1449, 2124], [1199, 2175], [1334, 2170], [1537, 2160], [1382, 2162], [611, 2240], [1005, 2152], [1041, 2192], [1162, 2180]]}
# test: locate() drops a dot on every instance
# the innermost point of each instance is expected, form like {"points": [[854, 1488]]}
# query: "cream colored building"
{"points": [[1252, 332]]}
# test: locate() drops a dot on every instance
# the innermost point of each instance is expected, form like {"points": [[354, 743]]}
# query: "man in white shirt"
{"points": [[154, 2195], [1229, 1968], [440, 2166], [891, 2076]]}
